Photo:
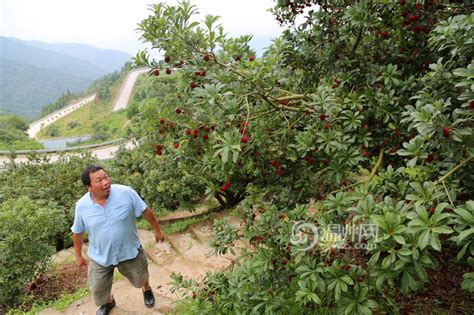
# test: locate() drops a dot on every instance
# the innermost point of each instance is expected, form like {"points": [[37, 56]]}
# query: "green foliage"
{"points": [[26, 240], [366, 97], [60, 102], [50, 185], [104, 86], [13, 134]]}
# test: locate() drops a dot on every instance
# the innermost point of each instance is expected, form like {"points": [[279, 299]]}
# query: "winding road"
{"points": [[102, 153]]}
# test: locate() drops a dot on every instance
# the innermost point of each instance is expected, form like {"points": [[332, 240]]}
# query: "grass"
{"points": [[86, 117]]}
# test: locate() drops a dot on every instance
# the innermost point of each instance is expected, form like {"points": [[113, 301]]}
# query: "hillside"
{"points": [[105, 59], [34, 74]]}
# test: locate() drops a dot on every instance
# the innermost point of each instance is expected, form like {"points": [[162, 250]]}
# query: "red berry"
{"points": [[284, 262], [244, 139], [205, 137], [362, 147], [277, 83], [241, 131], [446, 132], [167, 58], [195, 132], [412, 18], [403, 2], [187, 132], [237, 57], [225, 186], [275, 261], [251, 58], [158, 147], [325, 162], [168, 71], [207, 129], [159, 152], [323, 116], [244, 124], [193, 85], [365, 153], [176, 145], [397, 133], [404, 14], [471, 104], [326, 126], [206, 57], [162, 120], [178, 110], [280, 172], [429, 158], [274, 163], [384, 34], [281, 216], [156, 72]]}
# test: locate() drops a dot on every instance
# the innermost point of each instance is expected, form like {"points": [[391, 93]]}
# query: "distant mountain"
{"points": [[34, 74], [107, 59]]}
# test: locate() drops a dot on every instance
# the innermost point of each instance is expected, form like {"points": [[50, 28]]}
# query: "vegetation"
{"points": [[365, 108], [95, 118], [25, 244], [13, 134], [35, 74], [63, 100], [348, 148]]}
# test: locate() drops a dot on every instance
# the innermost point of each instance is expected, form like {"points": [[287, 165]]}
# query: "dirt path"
{"points": [[183, 252]]}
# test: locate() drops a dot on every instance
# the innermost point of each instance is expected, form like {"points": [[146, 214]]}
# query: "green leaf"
{"points": [[465, 234], [423, 239]]}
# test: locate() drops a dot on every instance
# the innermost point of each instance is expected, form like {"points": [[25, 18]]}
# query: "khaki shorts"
{"points": [[100, 277]]}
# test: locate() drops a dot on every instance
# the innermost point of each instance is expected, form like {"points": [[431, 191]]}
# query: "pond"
{"points": [[61, 143]]}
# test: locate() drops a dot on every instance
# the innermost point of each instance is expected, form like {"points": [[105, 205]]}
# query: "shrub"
{"points": [[26, 244]]}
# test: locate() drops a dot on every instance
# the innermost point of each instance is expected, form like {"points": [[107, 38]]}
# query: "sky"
{"points": [[111, 24]]}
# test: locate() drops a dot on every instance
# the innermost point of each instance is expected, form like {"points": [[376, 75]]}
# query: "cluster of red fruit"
{"points": [[336, 83], [158, 149], [277, 165], [364, 151], [283, 261], [195, 133], [412, 19]]}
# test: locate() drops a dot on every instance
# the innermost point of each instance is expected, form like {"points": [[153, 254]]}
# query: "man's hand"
{"points": [[160, 238], [81, 262]]}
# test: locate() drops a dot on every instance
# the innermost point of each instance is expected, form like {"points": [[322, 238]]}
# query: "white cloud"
{"points": [[111, 24]]}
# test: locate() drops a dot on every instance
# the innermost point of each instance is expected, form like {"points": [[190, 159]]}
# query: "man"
{"points": [[108, 214]]}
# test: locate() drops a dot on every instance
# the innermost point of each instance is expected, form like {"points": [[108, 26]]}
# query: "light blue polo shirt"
{"points": [[113, 235]]}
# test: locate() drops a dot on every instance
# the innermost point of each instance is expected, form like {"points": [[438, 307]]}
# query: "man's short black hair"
{"points": [[86, 179]]}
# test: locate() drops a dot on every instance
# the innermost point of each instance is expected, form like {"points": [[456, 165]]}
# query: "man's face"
{"points": [[100, 184]]}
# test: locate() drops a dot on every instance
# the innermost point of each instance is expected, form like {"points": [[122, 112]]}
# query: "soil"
{"points": [[51, 285], [443, 293]]}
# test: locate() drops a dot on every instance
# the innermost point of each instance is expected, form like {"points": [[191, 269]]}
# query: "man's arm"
{"points": [[150, 217], [77, 240]]}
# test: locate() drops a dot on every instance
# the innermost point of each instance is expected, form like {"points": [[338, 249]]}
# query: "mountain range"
{"points": [[34, 74]]}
